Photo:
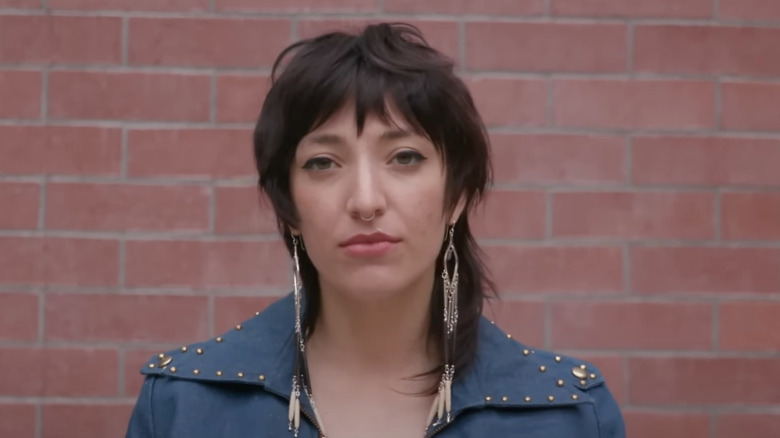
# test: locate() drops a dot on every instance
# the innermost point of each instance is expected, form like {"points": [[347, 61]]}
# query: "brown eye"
{"points": [[408, 158], [318, 163]]}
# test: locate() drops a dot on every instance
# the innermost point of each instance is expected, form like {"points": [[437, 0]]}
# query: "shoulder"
{"points": [[541, 378]]}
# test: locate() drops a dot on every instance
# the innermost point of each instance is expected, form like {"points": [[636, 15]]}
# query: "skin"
{"points": [[371, 334]]}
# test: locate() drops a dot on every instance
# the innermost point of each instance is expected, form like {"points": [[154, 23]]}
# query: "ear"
{"points": [[458, 210]]}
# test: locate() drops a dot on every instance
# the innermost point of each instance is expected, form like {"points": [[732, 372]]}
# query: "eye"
{"points": [[319, 163], [408, 158]]}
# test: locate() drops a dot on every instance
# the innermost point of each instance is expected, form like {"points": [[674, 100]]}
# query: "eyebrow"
{"points": [[334, 139]]}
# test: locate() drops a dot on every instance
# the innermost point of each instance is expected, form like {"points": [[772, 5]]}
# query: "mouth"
{"points": [[369, 245]]}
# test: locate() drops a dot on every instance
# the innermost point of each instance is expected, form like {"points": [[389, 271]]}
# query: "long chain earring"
{"points": [[294, 410], [443, 401]]}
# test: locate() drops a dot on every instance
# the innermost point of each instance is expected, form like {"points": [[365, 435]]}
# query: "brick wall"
{"points": [[635, 221]]}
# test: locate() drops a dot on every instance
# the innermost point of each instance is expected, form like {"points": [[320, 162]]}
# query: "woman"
{"points": [[372, 154]]}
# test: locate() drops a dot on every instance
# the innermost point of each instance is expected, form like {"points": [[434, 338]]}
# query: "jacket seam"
{"points": [[152, 407], [598, 419]]}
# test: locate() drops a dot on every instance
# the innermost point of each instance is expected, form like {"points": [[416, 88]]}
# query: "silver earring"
{"points": [[443, 401], [294, 410]]}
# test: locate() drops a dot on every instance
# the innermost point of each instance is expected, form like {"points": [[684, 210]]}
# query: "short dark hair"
{"points": [[386, 63]]}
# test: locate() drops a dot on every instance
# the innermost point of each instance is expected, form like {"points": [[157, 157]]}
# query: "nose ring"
{"points": [[368, 219]]}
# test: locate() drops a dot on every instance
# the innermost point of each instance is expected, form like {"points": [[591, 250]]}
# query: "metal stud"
{"points": [[583, 367], [550, 398], [526, 352], [579, 373], [559, 383], [240, 374], [219, 373], [261, 378], [488, 398], [196, 372], [542, 368], [558, 359], [151, 365], [161, 355], [493, 322], [164, 361], [583, 382], [574, 397], [257, 313], [238, 327], [199, 351], [219, 339], [173, 369], [504, 398], [508, 336], [527, 399], [592, 376]]}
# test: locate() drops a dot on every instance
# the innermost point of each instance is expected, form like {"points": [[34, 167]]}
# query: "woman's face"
{"points": [[388, 172]]}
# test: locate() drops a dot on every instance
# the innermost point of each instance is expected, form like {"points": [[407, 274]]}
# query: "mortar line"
{"points": [[124, 40]]}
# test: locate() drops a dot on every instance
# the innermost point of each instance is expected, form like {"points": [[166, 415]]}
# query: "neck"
{"points": [[387, 335]]}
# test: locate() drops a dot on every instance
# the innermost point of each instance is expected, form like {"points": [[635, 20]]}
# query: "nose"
{"points": [[367, 199]]}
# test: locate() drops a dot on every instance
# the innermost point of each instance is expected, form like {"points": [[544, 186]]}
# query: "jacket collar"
{"points": [[260, 351]]}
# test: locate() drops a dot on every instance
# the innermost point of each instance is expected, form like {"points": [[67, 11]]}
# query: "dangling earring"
{"points": [[294, 410], [443, 401]]}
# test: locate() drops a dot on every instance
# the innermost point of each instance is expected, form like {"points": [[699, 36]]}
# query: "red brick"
{"points": [[242, 210], [20, 92], [708, 161], [20, 4], [750, 106], [304, 6], [661, 215], [66, 421], [707, 50], [510, 102], [93, 207], [130, 96], [749, 10], [207, 153], [21, 201], [748, 425], [558, 159], [750, 216], [17, 420], [641, 424], [749, 326], [524, 320], [705, 270], [703, 381], [18, 317], [646, 326], [59, 150], [131, 5], [229, 311], [206, 42], [638, 104], [131, 318], [622, 8], [240, 97], [511, 214], [57, 372], [134, 360], [556, 269], [498, 7], [206, 264], [442, 35], [612, 368], [560, 47], [60, 40], [65, 261]]}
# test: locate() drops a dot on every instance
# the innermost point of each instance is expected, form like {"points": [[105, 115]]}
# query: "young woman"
{"points": [[372, 154]]}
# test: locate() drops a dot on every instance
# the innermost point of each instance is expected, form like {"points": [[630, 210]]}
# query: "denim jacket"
{"points": [[237, 385]]}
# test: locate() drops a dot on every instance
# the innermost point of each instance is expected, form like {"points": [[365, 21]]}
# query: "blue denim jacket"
{"points": [[237, 385]]}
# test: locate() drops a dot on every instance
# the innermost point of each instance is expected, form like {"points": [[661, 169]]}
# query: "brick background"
{"points": [[635, 220]]}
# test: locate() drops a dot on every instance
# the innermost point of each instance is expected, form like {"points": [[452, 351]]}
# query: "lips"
{"points": [[368, 239]]}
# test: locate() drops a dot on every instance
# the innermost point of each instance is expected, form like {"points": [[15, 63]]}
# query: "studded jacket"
{"points": [[237, 385]]}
